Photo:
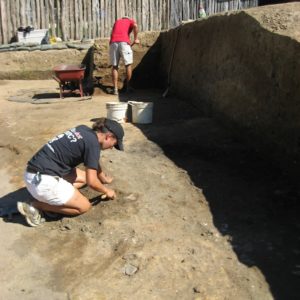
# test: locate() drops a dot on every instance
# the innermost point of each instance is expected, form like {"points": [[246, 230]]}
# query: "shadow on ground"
{"points": [[251, 201]]}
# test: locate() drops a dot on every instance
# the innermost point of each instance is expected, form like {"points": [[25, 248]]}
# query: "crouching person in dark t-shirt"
{"points": [[51, 175]]}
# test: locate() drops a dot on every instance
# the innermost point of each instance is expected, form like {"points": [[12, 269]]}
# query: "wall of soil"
{"points": [[39, 64], [244, 69]]}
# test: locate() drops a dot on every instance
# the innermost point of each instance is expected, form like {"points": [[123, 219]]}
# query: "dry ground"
{"points": [[197, 216]]}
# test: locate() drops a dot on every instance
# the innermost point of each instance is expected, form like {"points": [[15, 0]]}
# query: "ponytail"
{"points": [[99, 125]]}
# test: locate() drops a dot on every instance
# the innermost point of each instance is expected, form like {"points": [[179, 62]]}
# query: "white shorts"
{"points": [[53, 190], [120, 49]]}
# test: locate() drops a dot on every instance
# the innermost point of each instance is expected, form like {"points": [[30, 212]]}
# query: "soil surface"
{"points": [[198, 215]]}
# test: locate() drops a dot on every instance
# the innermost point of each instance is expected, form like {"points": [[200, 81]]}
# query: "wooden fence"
{"points": [[78, 19]]}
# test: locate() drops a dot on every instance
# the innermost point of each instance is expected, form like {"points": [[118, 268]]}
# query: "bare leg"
{"points": [[78, 204], [128, 73], [115, 76]]}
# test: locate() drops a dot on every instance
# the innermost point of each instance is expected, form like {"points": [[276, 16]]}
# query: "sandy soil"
{"points": [[197, 216]]}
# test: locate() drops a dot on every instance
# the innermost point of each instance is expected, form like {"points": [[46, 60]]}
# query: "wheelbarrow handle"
{"points": [[57, 79]]}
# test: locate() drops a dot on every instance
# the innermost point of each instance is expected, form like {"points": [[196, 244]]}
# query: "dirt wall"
{"points": [[243, 68], [39, 64]]}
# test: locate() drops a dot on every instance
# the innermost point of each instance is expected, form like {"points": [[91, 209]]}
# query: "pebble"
{"points": [[129, 269], [131, 197], [129, 256]]}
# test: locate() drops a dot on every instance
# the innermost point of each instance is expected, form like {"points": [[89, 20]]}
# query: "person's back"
{"points": [[121, 30]]}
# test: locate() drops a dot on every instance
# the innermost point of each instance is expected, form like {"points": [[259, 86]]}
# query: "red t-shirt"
{"points": [[121, 30]]}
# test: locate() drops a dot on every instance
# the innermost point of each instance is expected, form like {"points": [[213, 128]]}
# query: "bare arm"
{"points": [[94, 182], [103, 177], [135, 34]]}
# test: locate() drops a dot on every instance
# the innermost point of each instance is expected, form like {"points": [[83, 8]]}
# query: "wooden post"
{"points": [[80, 21], [89, 19], [3, 22], [63, 20]]}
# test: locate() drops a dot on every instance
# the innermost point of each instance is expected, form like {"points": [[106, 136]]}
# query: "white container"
{"points": [[34, 36], [117, 111], [141, 112]]}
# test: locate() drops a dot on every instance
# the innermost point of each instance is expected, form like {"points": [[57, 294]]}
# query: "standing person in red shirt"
{"points": [[120, 46]]}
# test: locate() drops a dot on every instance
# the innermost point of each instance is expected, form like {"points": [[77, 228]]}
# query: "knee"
{"points": [[84, 208]]}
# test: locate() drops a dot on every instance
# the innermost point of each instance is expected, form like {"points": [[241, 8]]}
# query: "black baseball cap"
{"points": [[116, 128]]}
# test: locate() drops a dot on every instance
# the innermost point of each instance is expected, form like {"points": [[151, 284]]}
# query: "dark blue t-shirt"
{"points": [[67, 150]]}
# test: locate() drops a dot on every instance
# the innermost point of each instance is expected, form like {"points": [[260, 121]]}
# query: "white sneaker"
{"points": [[32, 215], [115, 91]]}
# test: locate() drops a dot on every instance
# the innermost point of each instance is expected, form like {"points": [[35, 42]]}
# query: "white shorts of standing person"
{"points": [[120, 50]]}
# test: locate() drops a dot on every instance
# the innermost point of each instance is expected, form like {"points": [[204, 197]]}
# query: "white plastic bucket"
{"points": [[141, 112], [117, 111]]}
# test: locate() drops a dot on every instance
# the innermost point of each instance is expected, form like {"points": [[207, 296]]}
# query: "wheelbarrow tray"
{"points": [[69, 72]]}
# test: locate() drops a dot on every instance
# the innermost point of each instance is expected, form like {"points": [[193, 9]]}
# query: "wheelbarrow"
{"points": [[69, 77]]}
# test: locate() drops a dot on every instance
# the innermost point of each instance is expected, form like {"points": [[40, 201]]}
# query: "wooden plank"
{"points": [[28, 13], [138, 12], [64, 32], [22, 13], [46, 14], [4, 39], [112, 16], [71, 19], [101, 16], [52, 17], [94, 18], [10, 33], [98, 23], [89, 19], [185, 10], [13, 15], [76, 19], [145, 15], [84, 20], [68, 19], [58, 17], [80, 19], [42, 12], [33, 13], [38, 14]]}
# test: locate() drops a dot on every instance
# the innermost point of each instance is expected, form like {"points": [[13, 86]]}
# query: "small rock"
{"points": [[129, 269], [131, 197], [129, 256], [196, 289]]}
